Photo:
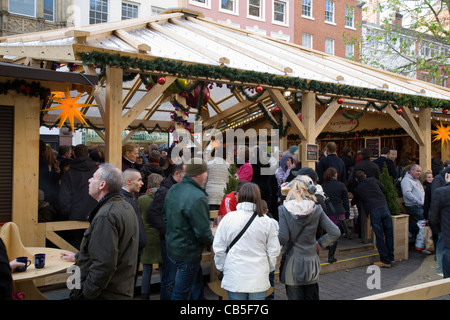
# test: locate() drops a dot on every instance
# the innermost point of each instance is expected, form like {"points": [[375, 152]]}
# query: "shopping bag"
{"points": [[420, 239], [428, 237]]}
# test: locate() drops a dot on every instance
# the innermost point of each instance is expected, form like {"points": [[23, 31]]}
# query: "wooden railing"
{"points": [[46, 230], [424, 291]]}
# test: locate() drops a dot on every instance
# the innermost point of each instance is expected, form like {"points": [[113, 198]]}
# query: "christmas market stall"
{"points": [[176, 69]]}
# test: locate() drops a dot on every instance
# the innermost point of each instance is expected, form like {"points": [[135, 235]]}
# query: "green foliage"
{"points": [[389, 191], [233, 180]]}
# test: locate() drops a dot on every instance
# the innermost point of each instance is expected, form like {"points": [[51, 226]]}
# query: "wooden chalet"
{"points": [[128, 57]]}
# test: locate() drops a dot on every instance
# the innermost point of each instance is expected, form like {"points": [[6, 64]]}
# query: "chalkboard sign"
{"points": [[312, 152], [373, 144]]}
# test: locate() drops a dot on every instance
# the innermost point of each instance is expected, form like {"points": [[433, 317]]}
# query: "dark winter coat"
{"points": [[338, 194], [74, 199], [439, 214], [108, 252], [131, 199], [332, 160], [186, 211]]}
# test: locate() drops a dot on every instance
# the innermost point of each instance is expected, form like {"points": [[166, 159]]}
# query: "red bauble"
{"points": [[340, 100], [444, 111], [399, 111], [161, 80], [276, 110], [299, 116], [259, 89], [192, 98]]}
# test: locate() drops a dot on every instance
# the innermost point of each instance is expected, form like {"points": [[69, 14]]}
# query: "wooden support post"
{"points": [[425, 148], [309, 121], [113, 116], [25, 182]]}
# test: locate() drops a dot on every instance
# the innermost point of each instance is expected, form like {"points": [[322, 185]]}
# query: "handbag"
{"points": [[341, 222], [286, 251], [220, 277]]}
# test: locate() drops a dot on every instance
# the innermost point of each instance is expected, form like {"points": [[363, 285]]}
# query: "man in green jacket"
{"points": [[186, 211]]}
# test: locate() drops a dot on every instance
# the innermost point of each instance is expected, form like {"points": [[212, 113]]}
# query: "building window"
{"points": [[49, 10], [129, 11], [201, 3], [307, 40], [329, 46], [349, 50], [279, 12], [307, 8], [254, 8], [329, 11], [98, 11], [157, 10], [349, 17], [23, 7], [228, 5]]}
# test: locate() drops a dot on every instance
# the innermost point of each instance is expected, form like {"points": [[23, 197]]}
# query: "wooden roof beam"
{"points": [[132, 41]]}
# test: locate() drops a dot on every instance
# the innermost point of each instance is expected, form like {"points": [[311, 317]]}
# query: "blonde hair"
{"points": [[299, 189], [424, 174]]}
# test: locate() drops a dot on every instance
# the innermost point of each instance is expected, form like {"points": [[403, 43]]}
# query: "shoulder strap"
{"points": [[333, 209], [241, 233]]}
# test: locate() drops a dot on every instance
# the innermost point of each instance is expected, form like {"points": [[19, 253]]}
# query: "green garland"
{"points": [[182, 70], [32, 89]]}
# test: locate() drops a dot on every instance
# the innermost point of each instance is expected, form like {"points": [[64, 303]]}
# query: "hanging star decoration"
{"points": [[442, 133], [69, 108]]}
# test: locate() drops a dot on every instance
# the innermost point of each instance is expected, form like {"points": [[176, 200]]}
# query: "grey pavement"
{"points": [[352, 283]]}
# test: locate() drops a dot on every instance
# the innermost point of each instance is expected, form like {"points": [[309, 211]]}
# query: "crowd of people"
{"points": [[156, 210]]}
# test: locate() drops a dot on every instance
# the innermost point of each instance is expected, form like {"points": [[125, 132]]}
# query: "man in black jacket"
{"points": [[74, 200], [155, 220], [370, 192], [384, 158], [439, 217]]}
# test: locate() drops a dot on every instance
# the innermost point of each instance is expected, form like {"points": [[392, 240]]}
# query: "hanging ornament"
{"points": [[161, 80], [192, 100], [445, 111], [340, 100], [442, 133], [276, 110], [69, 108], [259, 89], [399, 111], [299, 116]]}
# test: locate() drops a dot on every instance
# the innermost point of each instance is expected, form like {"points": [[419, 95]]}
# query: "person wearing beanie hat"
{"points": [[186, 211]]}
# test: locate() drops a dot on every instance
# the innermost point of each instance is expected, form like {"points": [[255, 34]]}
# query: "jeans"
{"points": [[446, 262], [247, 296], [306, 292], [439, 253], [168, 272], [188, 281], [416, 213], [146, 279], [381, 222]]}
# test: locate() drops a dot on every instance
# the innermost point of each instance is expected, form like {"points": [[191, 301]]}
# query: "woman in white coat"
{"points": [[247, 264]]}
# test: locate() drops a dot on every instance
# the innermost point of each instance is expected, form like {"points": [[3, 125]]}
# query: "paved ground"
{"points": [[352, 284], [341, 285]]}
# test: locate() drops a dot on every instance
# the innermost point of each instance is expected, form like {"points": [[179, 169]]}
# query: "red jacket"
{"points": [[228, 204]]}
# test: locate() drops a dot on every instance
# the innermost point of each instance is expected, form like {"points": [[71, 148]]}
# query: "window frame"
{"points": [[286, 13], [261, 11], [333, 22], [310, 8], [347, 11], [206, 5], [310, 40], [20, 13], [101, 12], [132, 5], [235, 10], [333, 43]]}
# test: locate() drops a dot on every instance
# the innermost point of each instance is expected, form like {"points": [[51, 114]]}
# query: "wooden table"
{"points": [[24, 281]]}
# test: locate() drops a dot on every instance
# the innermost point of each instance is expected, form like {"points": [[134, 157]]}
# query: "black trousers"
{"points": [[306, 292]]}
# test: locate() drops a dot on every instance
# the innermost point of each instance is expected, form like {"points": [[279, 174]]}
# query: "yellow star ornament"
{"points": [[69, 108], [442, 133]]}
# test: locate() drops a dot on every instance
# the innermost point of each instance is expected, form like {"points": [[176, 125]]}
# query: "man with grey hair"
{"points": [[413, 196], [108, 254]]}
